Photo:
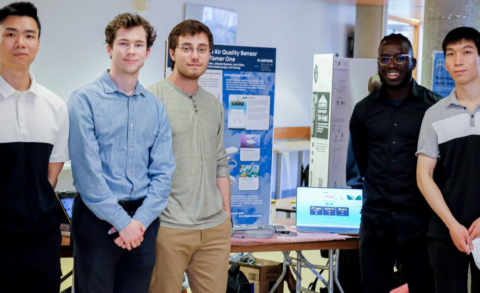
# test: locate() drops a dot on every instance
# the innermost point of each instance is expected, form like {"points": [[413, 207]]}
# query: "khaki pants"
{"points": [[203, 254]]}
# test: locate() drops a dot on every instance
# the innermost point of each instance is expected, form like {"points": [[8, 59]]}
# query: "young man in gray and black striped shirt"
{"points": [[449, 166]]}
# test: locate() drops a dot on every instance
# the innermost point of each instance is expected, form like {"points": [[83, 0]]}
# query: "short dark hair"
{"points": [[463, 33], [188, 27], [396, 37], [127, 21], [20, 9]]}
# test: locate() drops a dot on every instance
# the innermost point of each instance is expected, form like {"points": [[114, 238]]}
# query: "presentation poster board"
{"points": [[243, 79], [442, 83], [321, 120], [338, 84]]}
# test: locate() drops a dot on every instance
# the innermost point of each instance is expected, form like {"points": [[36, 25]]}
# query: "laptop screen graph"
{"points": [[329, 207]]}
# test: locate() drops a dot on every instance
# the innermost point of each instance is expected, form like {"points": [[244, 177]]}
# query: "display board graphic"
{"points": [[442, 83]]}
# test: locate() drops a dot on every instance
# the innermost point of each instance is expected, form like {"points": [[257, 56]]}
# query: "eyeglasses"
{"points": [[189, 50], [398, 59]]}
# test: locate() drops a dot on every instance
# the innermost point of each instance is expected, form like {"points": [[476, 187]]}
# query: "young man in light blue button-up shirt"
{"points": [[122, 163]]}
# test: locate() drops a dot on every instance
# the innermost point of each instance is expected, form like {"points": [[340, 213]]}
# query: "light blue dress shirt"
{"points": [[121, 149]]}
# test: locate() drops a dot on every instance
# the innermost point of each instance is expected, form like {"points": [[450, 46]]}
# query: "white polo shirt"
{"points": [[33, 133]]}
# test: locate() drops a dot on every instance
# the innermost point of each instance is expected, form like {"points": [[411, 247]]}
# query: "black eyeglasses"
{"points": [[398, 59]]}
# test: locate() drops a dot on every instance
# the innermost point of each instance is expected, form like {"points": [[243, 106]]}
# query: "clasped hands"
{"points": [[131, 236]]}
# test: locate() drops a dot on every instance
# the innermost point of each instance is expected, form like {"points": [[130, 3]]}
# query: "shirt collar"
{"points": [[6, 90], [110, 87], [181, 91], [452, 99]]}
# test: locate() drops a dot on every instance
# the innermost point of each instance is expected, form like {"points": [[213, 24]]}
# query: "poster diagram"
{"points": [[248, 112]]}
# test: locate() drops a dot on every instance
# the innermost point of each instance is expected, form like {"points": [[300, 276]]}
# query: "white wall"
{"points": [[73, 42], [73, 52]]}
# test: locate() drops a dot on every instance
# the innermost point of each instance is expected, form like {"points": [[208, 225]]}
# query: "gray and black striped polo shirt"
{"points": [[451, 133]]}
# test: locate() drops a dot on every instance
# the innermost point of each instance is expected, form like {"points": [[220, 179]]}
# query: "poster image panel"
{"points": [[321, 117], [442, 83]]}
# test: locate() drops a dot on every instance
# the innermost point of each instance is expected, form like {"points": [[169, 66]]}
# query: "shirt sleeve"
{"points": [[60, 148], [428, 139], [160, 172], [359, 139], [87, 166], [222, 160]]}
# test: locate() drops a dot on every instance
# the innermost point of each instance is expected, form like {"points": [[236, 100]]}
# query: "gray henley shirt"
{"points": [[197, 124]]}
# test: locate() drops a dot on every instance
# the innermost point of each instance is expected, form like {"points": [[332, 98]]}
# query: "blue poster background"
{"points": [[248, 71], [442, 83]]}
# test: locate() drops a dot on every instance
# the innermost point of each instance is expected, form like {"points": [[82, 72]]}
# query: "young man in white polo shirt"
{"points": [[33, 148], [449, 164]]}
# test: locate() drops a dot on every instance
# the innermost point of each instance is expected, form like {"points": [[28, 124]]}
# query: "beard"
{"points": [[191, 74]]}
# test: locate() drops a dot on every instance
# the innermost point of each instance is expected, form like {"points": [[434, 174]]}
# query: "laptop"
{"points": [[331, 210]]}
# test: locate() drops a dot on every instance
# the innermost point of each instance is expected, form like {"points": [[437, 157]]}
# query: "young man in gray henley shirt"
{"points": [[195, 227]]}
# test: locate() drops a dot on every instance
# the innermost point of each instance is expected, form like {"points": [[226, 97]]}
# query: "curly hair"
{"points": [[127, 21]]}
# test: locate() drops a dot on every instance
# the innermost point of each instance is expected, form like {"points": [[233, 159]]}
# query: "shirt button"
{"points": [[394, 124], [131, 124], [393, 142], [394, 161], [131, 149]]}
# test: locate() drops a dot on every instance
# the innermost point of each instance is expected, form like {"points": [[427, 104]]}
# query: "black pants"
{"points": [[450, 267], [100, 265], [378, 256], [31, 264]]}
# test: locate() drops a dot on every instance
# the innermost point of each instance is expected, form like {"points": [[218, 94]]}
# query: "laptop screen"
{"points": [[329, 207], [66, 199], [67, 204]]}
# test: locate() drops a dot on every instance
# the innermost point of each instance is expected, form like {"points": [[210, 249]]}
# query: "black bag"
{"points": [[237, 282]]}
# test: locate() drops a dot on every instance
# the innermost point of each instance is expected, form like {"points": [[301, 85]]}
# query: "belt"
{"points": [[128, 205], [131, 204]]}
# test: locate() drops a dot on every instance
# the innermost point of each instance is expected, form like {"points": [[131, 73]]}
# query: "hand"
{"points": [[474, 230], [132, 235], [118, 241], [461, 238]]}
